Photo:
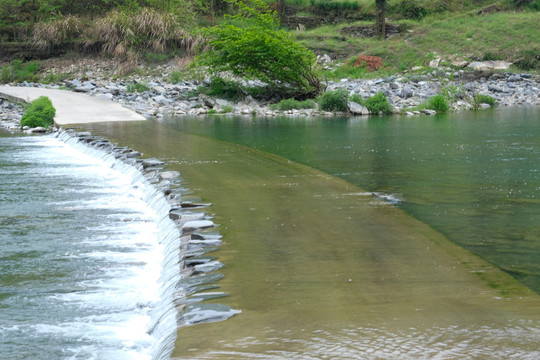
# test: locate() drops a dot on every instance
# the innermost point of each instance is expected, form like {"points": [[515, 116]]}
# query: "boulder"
{"points": [[489, 65], [406, 93], [357, 109]]}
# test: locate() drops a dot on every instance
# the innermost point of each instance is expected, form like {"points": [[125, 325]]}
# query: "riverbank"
{"points": [[153, 94]]}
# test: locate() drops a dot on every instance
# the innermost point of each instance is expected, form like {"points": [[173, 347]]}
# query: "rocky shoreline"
{"points": [[404, 92]]}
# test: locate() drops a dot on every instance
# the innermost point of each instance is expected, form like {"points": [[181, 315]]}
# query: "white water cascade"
{"points": [[164, 300]]}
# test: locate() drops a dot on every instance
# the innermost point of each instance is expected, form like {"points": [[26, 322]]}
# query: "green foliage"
{"points": [[411, 9], [226, 109], [378, 103], [252, 45], [230, 90], [137, 87], [335, 5], [175, 77], [438, 103], [334, 101], [18, 71], [453, 92], [528, 59], [40, 112], [55, 78], [483, 99], [357, 99], [290, 104]]}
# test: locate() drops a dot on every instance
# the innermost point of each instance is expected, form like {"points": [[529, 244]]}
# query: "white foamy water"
{"points": [[84, 241]]}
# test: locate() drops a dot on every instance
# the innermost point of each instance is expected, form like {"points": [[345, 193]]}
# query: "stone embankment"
{"points": [[404, 91]]}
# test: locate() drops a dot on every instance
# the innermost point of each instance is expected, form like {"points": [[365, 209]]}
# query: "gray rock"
{"points": [[207, 100], [162, 100], [429, 112], [514, 78], [357, 109], [196, 225], [169, 175], [495, 89], [152, 162], [489, 65], [406, 93], [106, 96]]}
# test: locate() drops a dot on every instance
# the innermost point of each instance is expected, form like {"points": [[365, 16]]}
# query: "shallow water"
{"points": [[81, 256], [322, 268]]}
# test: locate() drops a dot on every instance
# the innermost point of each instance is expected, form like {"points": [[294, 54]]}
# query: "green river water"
{"points": [[323, 269]]}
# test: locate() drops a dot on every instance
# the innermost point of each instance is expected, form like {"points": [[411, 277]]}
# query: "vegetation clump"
{"points": [[438, 103], [40, 112], [251, 44], [483, 99], [291, 104], [377, 104], [19, 72], [334, 101]]}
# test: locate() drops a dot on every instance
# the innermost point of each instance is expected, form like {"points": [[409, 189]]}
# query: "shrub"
{"points": [[438, 103], [290, 104], [378, 103], [252, 45], [334, 100], [137, 87], [40, 112], [483, 99]]}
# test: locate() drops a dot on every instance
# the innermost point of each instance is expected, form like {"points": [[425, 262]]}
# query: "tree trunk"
{"points": [[380, 18]]}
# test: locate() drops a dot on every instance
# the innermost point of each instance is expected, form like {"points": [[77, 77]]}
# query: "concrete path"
{"points": [[73, 108]]}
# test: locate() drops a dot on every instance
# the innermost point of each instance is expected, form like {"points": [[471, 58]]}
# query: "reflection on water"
{"points": [[322, 268], [375, 343]]}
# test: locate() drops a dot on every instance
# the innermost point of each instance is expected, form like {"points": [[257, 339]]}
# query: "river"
{"points": [[363, 238]]}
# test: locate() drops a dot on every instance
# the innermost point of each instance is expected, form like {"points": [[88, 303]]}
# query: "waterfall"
{"points": [[166, 311]]}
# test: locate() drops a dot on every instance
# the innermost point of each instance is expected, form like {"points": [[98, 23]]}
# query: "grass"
{"points": [[137, 87], [512, 36], [18, 71]]}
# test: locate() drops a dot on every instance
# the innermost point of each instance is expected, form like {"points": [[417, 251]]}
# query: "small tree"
{"points": [[252, 45], [380, 18]]}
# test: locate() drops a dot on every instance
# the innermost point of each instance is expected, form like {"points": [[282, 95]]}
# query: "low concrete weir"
{"points": [[73, 108]]}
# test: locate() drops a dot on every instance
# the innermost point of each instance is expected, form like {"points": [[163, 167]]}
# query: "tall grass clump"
{"points": [[125, 35], [40, 112], [438, 103], [334, 100], [45, 35]]}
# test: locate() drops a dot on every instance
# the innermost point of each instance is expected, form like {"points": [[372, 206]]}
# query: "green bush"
{"points": [[251, 44], [334, 101], [438, 103], [378, 103], [483, 99], [290, 104], [357, 99], [40, 112]]}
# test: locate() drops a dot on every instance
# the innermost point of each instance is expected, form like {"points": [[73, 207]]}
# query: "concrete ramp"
{"points": [[73, 108]]}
